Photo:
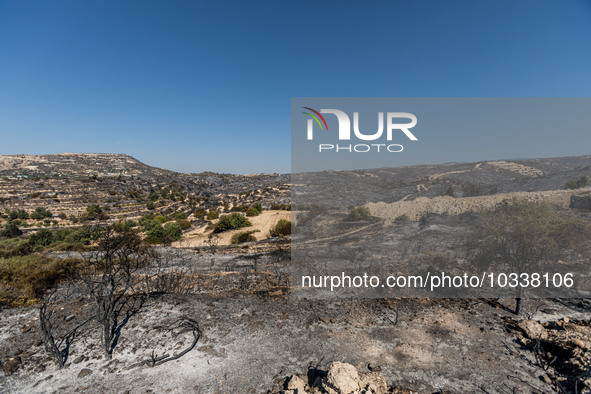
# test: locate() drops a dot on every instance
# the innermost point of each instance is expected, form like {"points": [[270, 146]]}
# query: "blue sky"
{"points": [[194, 86]]}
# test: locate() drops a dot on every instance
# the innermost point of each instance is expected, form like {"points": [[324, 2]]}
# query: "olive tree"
{"points": [[523, 236]]}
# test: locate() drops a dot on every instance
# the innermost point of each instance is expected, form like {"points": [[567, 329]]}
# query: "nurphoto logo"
{"points": [[344, 130]]}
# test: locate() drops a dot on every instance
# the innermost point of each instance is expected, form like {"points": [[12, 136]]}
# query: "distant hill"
{"points": [[76, 164]]}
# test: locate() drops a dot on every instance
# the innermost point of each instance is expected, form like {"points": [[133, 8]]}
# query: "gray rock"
{"points": [[84, 372], [342, 378]]}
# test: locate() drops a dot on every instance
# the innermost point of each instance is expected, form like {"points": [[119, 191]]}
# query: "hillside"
{"points": [[75, 164], [417, 221]]}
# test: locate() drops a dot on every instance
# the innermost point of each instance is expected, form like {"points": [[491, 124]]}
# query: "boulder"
{"points": [[84, 372], [532, 329], [342, 378], [297, 384], [373, 382]]}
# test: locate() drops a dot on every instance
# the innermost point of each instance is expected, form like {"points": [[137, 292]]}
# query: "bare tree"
{"points": [[59, 331], [212, 242], [114, 280]]}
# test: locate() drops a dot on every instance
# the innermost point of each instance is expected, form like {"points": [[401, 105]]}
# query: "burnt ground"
{"points": [[255, 337]]}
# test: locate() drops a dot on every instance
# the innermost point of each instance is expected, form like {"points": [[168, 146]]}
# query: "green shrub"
{"points": [[281, 207], [153, 196], [124, 225], [84, 235], [281, 229], [358, 213], [41, 213], [11, 247], [184, 223], [23, 280], [173, 231], [231, 222], [178, 215], [11, 230], [18, 214], [41, 238], [155, 234], [213, 214], [95, 212], [252, 211], [199, 213], [161, 219], [579, 183], [243, 236]]}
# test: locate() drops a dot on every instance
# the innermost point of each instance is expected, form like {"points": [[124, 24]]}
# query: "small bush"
{"points": [[252, 211], [281, 207], [281, 229], [11, 230], [41, 238], [199, 213], [173, 231], [213, 214], [124, 225], [243, 236], [358, 213], [15, 247], [23, 280], [155, 234], [471, 190], [95, 212], [184, 223], [41, 213], [18, 214], [178, 215], [231, 222], [239, 208], [579, 183]]}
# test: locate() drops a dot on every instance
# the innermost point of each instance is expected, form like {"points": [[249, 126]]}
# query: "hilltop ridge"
{"points": [[76, 164]]}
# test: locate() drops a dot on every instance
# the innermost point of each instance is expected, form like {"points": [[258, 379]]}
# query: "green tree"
{"points": [[155, 234], [95, 212], [243, 236], [578, 183], [41, 213], [252, 211], [173, 231], [213, 214], [281, 229], [231, 222], [42, 237], [184, 223], [358, 213], [523, 236], [11, 230]]}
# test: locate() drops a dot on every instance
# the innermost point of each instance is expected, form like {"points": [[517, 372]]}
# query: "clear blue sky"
{"points": [[194, 86]]}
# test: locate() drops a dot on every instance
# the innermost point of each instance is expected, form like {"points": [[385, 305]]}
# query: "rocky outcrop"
{"points": [[340, 378], [445, 205]]}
